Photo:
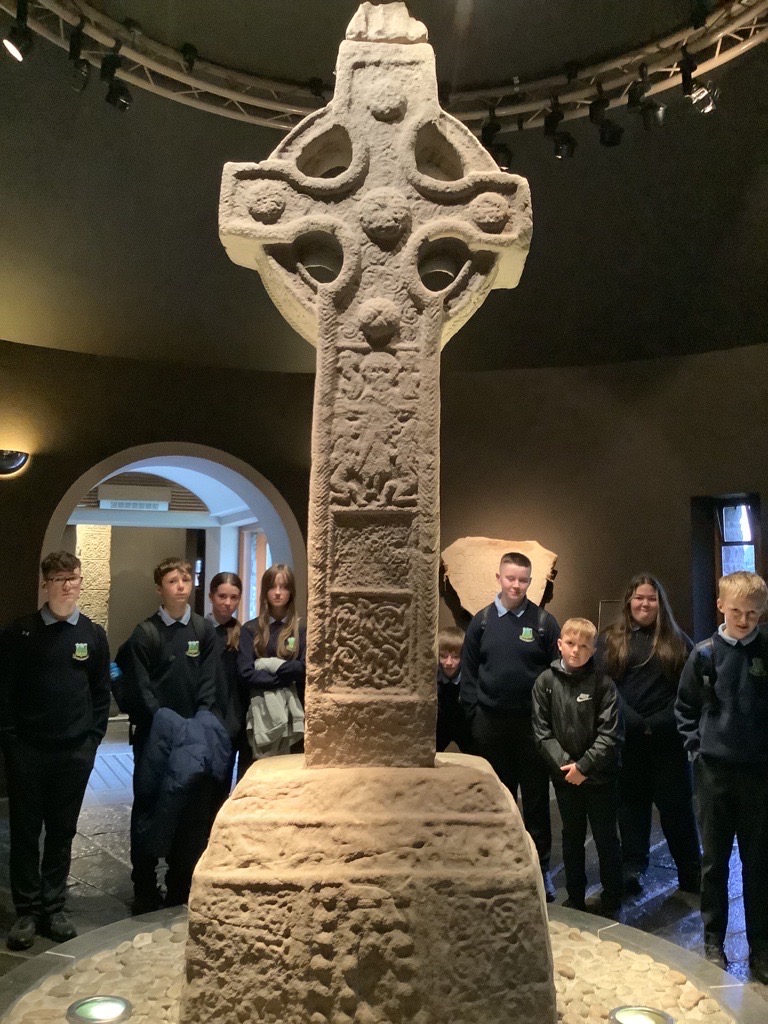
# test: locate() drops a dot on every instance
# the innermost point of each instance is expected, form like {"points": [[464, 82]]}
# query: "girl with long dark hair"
{"points": [[644, 652], [271, 664], [225, 592]]}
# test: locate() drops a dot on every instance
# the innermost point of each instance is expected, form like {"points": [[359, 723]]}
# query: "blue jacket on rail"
{"points": [[179, 752]]}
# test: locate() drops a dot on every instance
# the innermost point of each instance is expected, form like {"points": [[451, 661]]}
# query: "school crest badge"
{"points": [[81, 652], [527, 635], [757, 668], [193, 649], [290, 643]]}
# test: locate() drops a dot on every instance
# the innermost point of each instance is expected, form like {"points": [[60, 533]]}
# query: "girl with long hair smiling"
{"points": [[644, 653]]}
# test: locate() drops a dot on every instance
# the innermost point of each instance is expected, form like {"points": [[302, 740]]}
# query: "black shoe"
{"points": [[689, 881], [633, 883], [57, 927], [575, 904], [549, 887], [22, 933], [758, 965], [610, 904], [146, 903], [714, 952]]}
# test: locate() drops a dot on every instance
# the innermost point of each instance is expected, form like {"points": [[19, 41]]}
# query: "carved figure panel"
{"points": [[371, 549]]}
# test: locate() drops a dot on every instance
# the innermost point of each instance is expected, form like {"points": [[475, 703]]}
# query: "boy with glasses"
{"points": [[54, 705]]}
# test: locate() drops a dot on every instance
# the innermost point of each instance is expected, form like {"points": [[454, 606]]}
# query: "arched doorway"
{"points": [[225, 482]]}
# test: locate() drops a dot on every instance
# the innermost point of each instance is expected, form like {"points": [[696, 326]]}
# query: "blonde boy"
{"points": [[722, 715], [577, 727]]}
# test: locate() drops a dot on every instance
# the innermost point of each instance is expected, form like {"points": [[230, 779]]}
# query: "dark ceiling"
{"points": [[109, 244]]}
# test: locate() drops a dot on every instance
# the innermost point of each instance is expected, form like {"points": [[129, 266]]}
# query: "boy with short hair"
{"points": [[54, 706], [169, 661], [722, 715], [578, 729], [507, 646], [452, 724]]}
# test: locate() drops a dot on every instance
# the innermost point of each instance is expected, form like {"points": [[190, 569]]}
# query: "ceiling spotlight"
{"points": [[502, 154], [553, 118], [189, 55], [12, 462], [489, 129], [610, 133], [118, 95], [637, 90], [565, 145], [598, 106], [19, 40], [653, 114], [687, 65], [704, 97], [76, 40], [111, 63], [81, 74]]}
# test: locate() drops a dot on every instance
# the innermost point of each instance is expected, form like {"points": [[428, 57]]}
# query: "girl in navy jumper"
{"points": [[644, 653], [273, 646], [231, 698]]}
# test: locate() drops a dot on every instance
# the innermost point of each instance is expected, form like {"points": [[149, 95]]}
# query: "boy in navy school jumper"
{"points": [[452, 724], [506, 648], [54, 705], [722, 715], [578, 729], [170, 661]]}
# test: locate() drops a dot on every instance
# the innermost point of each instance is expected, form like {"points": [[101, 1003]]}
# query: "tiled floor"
{"points": [[100, 887]]}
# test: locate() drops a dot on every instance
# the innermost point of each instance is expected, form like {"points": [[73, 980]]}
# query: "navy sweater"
{"points": [[293, 670], [647, 694], [54, 681], [501, 661], [178, 671], [732, 723]]}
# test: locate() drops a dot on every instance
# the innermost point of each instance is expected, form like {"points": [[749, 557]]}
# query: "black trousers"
{"points": [[506, 741], [45, 790], [452, 722], [655, 770], [598, 806], [732, 802], [188, 844]]}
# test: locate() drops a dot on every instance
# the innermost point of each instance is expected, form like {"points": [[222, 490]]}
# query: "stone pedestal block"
{"points": [[369, 895]]}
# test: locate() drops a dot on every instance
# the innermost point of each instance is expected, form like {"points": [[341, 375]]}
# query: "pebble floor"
{"points": [[592, 976]]}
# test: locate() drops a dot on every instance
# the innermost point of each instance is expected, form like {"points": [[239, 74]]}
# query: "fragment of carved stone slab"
{"points": [[370, 895], [471, 564]]}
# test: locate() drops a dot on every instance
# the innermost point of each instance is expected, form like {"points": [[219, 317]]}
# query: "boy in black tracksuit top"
{"points": [[506, 647], [170, 661], [722, 715], [452, 724], [577, 726], [54, 705]]}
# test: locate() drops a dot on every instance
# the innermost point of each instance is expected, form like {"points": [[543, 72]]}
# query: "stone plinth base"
{"points": [[369, 895]]}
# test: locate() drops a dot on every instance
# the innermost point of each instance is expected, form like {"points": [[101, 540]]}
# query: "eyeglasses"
{"points": [[60, 581]]}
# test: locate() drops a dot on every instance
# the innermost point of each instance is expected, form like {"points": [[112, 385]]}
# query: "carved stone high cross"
{"points": [[378, 226]]}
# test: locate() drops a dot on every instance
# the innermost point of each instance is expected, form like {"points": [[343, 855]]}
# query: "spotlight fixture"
{"points": [[687, 65], [653, 114], [19, 40], [81, 69], [565, 145], [12, 462], [103, 1009], [489, 129], [704, 97], [636, 91], [118, 95], [111, 63], [553, 118], [598, 106], [189, 55], [610, 132]]}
